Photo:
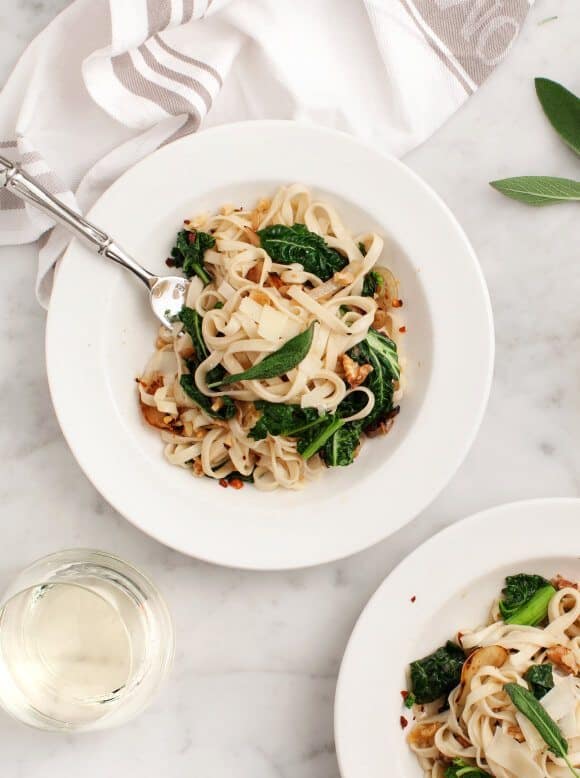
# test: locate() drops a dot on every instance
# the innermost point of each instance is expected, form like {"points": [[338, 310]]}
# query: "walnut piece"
{"points": [[354, 373], [563, 658], [423, 734]]}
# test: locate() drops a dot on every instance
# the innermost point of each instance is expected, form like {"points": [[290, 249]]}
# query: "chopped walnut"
{"points": [[515, 732], [563, 658], [344, 277], [260, 297], [423, 734], [251, 236], [563, 583], [155, 418], [153, 386], [255, 273], [275, 281], [247, 414], [354, 373], [197, 467]]}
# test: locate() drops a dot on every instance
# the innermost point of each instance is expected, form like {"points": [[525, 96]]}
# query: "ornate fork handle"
{"points": [[26, 188]]}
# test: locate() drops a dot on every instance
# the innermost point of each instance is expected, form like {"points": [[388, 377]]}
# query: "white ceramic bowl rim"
{"points": [[98, 314]]}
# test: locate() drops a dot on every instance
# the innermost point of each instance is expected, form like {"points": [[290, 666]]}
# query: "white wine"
{"points": [[82, 644], [65, 650]]}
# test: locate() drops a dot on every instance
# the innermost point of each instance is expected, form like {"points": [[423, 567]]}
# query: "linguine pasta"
{"points": [[482, 728], [251, 306]]}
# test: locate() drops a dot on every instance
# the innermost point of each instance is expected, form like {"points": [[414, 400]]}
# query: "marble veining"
{"points": [[251, 693]]}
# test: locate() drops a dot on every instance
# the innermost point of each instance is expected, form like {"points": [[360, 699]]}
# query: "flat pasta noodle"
{"points": [[250, 309], [482, 725]]}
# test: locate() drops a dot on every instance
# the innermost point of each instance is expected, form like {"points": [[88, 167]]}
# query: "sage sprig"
{"points": [[279, 362], [562, 109], [539, 717]]}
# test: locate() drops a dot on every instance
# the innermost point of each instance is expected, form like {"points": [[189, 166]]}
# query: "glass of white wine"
{"points": [[85, 641]]}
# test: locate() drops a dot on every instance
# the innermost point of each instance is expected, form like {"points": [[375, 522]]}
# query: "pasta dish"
{"points": [[284, 356], [503, 700]]}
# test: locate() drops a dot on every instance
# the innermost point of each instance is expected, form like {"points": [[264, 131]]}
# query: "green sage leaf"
{"points": [[538, 190], [562, 108]]}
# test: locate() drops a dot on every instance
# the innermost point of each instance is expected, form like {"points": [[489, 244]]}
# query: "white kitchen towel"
{"points": [[109, 81]]}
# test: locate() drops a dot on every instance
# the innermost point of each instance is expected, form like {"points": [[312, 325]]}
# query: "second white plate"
{"points": [[447, 584]]}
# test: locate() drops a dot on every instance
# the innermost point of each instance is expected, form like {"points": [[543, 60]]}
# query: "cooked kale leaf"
{"points": [[189, 251], [371, 284], [381, 352], [279, 419], [518, 593], [541, 679], [314, 438], [227, 409], [340, 449], [192, 322], [436, 675], [459, 768], [298, 244]]}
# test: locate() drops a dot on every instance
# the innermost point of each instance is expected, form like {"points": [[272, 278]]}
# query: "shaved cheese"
{"points": [[515, 757], [562, 699], [232, 326], [272, 324], [252, 309], [226, 290], [531, 734]]}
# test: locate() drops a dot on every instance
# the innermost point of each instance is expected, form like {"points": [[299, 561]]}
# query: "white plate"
{"points": [[454, 576], [100, 334]]}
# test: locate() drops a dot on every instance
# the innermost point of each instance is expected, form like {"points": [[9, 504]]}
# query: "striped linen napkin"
{"points": [[109, 81]]}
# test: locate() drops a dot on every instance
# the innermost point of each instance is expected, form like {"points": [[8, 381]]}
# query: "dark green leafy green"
{"points": [[340, 450], [436, 675], [459, 768], [189, 250], [525, 599], [538, 716], [362, 248], [381, 353], [192, 322], [235, 476], [227, 409], [298, 244], [410, 700], [538, 190], [540, 679], [313, 439], [371, 284], [280, 419], [562, 108], [279, 362]]}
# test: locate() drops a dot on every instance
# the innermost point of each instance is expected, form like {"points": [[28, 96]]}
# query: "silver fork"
{"points": [[167, 293]]}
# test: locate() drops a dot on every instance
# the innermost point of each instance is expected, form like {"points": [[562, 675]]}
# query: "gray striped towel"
{"points": [[109, 81]]}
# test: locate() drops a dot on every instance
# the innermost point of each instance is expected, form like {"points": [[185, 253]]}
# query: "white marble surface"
{"points": [[252, 690]]}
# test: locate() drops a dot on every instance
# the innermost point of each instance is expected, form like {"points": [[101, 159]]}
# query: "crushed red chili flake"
{"points": [[187, 221], [237, 483], [404, 722], [397, 303], [223, 482], [170, 262], [403, 329], [413, 598], [404, 694]]}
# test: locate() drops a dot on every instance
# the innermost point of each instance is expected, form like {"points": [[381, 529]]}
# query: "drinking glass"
{"points": [[85, 641]]}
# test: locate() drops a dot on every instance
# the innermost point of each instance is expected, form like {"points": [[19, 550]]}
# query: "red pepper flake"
{"points": [[187, 221], [397, 303], [404, 694], [404, 722], [170, 262], [223, 482], [413, 598], [237, 483], [403, 329]]}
